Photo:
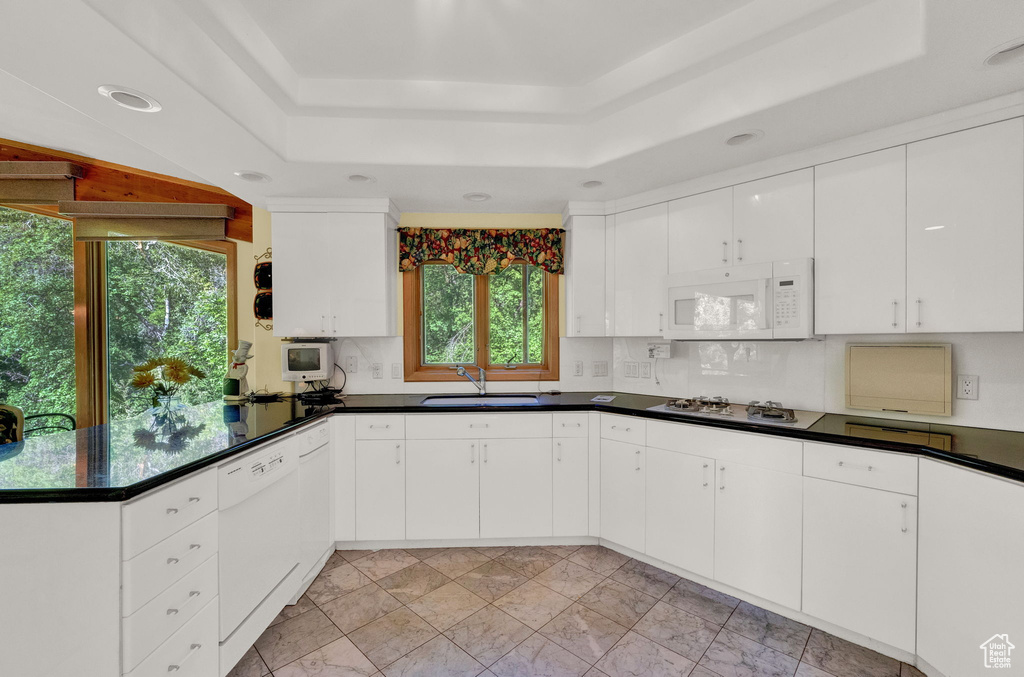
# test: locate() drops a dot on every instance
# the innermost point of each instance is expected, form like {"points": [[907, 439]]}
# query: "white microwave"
{"points": [[760, 301]]}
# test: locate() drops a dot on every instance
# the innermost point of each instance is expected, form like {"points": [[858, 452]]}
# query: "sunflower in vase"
{"points": [[166, 376]]}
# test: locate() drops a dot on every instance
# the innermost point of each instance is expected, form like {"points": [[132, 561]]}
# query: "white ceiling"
{"points": [[522, 99]]}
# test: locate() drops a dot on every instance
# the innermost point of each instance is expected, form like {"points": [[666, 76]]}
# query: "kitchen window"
{"points": [[506, 322]]}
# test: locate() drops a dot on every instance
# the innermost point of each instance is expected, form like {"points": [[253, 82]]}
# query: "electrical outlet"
{"points": [[600, 368], [645, 370], [577, 368], [631, 369], [396, 370], [351, 364], [378, 370], [966, 387]]}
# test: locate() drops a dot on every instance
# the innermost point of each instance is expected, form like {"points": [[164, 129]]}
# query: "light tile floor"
{"points": [[558, 611]]}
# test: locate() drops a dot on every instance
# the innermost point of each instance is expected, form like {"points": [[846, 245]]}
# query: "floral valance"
{"points": [[483, 251]]}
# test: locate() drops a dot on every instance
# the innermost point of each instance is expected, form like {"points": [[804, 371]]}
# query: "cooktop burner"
{"points": [[770, 413]]}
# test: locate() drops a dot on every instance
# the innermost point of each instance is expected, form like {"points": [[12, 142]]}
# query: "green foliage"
{"points": [[447, 316]]}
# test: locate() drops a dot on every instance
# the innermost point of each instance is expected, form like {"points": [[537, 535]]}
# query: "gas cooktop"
{"points": [[768, 413]]}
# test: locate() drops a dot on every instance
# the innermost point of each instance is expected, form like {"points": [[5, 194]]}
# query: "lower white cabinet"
{"points": [[680, 513], [380, 490], [315, 504], [623, 491], [190, 652], [515, 488], [758, 516], [442, 491], [860, 560], [970, 549], [570, 479]]}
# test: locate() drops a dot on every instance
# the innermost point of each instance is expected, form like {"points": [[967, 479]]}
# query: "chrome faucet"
{"points": [[481, 385]]}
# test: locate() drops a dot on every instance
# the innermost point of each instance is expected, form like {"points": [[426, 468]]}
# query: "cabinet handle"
{"points": [[739, 250], [334, 324], [661, 321], [481, 425], [173, 560], [174, 511], [638, 459], [725, 251], [191, 597], [193, 648], [895, 315], [615, 427], [573, 425], [559, 445], [398, 453], [485, 453], [472, 453], [704, 474], [844, 464], [904, 506], [323, 324], [722, 477], [577, 324], [918, 312], [385, 427]]}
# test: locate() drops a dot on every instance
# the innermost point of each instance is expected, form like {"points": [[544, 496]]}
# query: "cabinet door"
{"points": [[361, 276], [442, 492], [315, 505], [700, 231], [758, 532], [860, 246], [860, 560], [970, 548], [641, 263], [623, 486], [965, 243], [773, 218], [570, 486], [380, 490], [515, 488], [343, 444], [681, 510], [302, 274], [585, 278]]}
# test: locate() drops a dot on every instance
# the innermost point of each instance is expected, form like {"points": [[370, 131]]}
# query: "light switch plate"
{"points": [[631, 369], [577, 368], [600, 368], [351, 364], [396, 370], [645, 370]]}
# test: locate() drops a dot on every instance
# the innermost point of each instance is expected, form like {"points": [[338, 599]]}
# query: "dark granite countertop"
{"points": [[123, 459]]}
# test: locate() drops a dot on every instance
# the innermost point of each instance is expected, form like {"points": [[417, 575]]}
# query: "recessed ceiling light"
{"points": [[476, 197], [251, 176], [744, 137], [361, 178], [593, 183], [1006, 52], [130, 98]]}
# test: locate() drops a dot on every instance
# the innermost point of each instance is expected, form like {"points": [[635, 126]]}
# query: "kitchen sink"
{"points": [[480, 400]]}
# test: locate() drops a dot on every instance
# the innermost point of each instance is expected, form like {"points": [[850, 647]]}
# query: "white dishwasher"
{"points": [[259, 528]]}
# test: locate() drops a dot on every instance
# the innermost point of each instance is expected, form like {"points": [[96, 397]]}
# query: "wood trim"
{"points": [[413, 335], [108, 181], [90, 334], [230, 250]]}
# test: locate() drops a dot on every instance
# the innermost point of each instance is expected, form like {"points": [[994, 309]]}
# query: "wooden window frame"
{"points": [[416, 371]]}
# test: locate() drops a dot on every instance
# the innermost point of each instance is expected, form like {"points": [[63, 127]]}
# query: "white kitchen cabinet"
{"points": [[680, 509], [773, 218], [623, 488], [970, 547], [380, 490], [860, 249], [700, 231], [860, 560], [570, 480], [640, 263], [965, 241], [758, 516], [315, 504], [442, 490], [515, 488], [320, 259], [585, 276]]}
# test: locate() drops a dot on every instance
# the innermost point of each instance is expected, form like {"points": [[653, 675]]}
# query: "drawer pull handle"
{"points": [[704, 474], [472, 453], [559, 444], [574, 425], [638, 459], [844, 464], [398, 454], [904, 506], [193, 648], [485, 453], [191, 596], [194, 546], [386, 426], [173, 560], [615, 427], [481, 425], [172, 511], [722, 476]]}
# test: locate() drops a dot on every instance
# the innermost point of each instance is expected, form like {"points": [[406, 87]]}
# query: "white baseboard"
{"points": [[467, 542]]}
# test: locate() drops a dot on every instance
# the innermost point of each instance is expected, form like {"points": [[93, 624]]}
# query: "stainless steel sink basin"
{"points": [[480, 400]]}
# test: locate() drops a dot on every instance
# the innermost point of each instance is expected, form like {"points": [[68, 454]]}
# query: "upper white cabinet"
{"points": [[860, 269], [585, 276], [770, 219], [773, 218], [334, 274], [965, 230], [640, 263]]}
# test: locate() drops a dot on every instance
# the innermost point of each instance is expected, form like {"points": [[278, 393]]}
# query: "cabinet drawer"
{"points": [[157, 515], [759, 451], [146, 576], [477, 426], [862, 467], [315, 436], [380, 427], [627, 429], [570, 425], [190, 652], [155, 622]]}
